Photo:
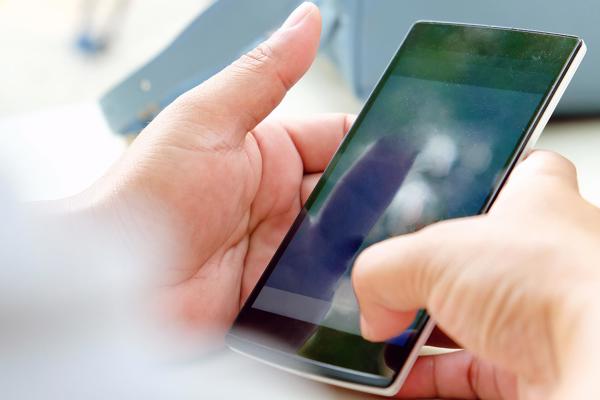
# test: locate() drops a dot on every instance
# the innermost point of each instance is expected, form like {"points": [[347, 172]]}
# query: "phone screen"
{"points": [[434, 141]]}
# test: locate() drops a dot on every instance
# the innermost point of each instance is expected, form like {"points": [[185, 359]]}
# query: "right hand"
{"points": [[519, 288], [208, 190]]}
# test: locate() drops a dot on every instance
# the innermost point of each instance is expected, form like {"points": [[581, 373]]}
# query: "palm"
{"points": [[229, 208]]}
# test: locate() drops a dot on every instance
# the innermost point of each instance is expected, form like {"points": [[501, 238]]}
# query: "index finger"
{"points": [[317, 138]]}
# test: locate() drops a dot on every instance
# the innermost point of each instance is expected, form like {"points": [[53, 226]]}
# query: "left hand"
{"points": [[215, 185]]}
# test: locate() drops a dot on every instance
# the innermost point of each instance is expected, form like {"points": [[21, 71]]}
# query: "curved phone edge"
{"points": [[390, 390], [555, 98]]}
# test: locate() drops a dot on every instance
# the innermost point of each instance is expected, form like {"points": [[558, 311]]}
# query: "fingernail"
{"points": [[298, 15]]}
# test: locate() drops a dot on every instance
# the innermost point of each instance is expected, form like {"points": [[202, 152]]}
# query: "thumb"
{"points": [[235, 100]]}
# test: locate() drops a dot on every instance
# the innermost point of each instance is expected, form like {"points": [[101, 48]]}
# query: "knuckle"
{"points": [[262, 60], [550, 162], [257, 58]]}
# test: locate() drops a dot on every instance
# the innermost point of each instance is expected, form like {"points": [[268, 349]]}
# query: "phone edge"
{"points": [[555, 99], [538, 126]]}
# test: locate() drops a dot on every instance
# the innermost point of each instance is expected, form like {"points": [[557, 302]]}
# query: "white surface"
{"points": [[579, 142], [41, 67], [63, 148], [57, 152]]}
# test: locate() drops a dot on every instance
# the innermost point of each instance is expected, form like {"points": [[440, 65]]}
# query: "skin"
{"points": [[211, 186], [208, 190], [519, 288]]}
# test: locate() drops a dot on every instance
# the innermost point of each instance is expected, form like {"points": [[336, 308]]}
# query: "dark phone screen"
{"points": [[434, 142]]}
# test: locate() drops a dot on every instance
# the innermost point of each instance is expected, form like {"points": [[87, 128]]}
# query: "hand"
{"points": [[211, 188], [519, 288]]}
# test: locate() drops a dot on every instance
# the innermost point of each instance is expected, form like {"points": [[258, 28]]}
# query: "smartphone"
{"points": [[456, 109]]}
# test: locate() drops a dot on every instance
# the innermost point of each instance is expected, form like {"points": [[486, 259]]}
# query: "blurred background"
{"points": [[74, 85], [53, 135]]}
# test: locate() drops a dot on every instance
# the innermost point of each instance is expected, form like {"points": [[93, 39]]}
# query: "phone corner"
{"points": [[584, 47], [422, 22]]}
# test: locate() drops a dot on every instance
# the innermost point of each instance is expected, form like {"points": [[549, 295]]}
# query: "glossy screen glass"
{"points": [[434, 142]]}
